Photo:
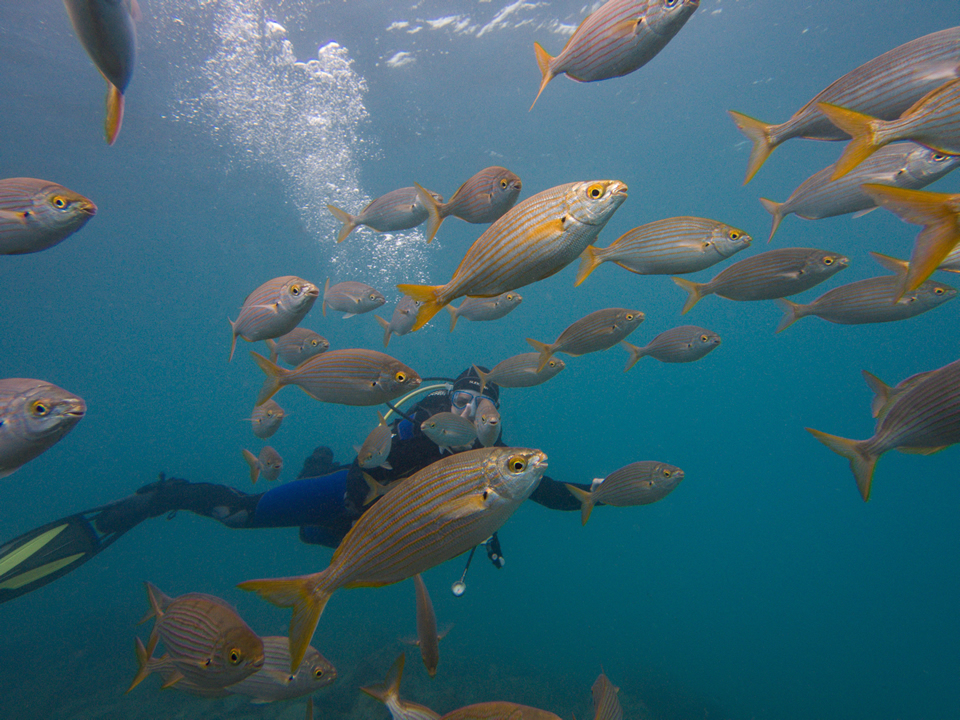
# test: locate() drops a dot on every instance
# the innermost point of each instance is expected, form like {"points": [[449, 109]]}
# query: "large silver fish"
{"points": [[38, 214], [34, 416], [600, 330], [273, 309], [426, 519]]}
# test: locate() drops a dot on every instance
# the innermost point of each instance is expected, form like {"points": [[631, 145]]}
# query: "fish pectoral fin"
{"points": [[278, 676], [550, 230], [174, 677], [464, 506], [19, 217], [627, 27]]}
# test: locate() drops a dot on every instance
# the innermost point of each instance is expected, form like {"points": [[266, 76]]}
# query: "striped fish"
{"points": [[402, 320], [600, 330], [951, 263], [376, 448], [351, 298], [273, 309], [904, 165], [883, 87], [884, 394], [639, 483], [606, 705], [389, 694], [687, 343], [487, 422], [938, 213], [209, 643], [38, 214], [934, 121], [767, 276], [499, 710], [105, 29], [268, 464], [482, 309], [266, 419], [296, 346], [427, 637], [619, 37], [426, 519], [520, 371], [923, 419], [34, 416], [347, 377], [449, 430], [397, 210], [534, 240], [481, 199], [671, 246]]}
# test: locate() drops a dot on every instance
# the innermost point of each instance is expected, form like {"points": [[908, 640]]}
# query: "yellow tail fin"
{"points": [[758, 133], [695, 293], [881, 392], [586, 501], [546, 352], [484, 376], [114, 113], [454, 316], [387, 332], [861, 462], [588, 263], [307, 600], [635, 354], [390, 689], [427, 296], [543, 62], [254, 465], [774, 208], [275, 377], [863, 131], [791, 313], [349, 222], [434, 216]]}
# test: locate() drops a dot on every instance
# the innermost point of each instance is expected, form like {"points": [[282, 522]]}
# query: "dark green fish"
{"points": [[597, 331], [767, 276]]}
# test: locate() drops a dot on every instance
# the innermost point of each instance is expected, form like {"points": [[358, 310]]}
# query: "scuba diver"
{"points": [[324, 501]]}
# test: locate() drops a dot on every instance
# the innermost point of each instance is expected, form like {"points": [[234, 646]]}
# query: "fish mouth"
{"points": [[313, 292], [88, 208], [621, 189]]}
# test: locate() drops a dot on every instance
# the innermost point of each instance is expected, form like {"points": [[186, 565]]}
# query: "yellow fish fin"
{"points": [[695, 293], [349, 222], [254, 465], [307, 600], [483, 377], [862, 463], [545, 350], [862, 128], [275, 377], [635, 354], [880, 390], [543, 62], [464, 506], [894, 265], [758, 133], [426, 295], [143, 669], [586, 501], [588, 263], [791, 313], [434, 211], [174, 677], [921, 450], [390, 689], [375, 489], [775, 209], [114, 113]]}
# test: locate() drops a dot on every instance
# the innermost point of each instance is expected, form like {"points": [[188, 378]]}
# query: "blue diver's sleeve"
{"points": [[308, 501]]}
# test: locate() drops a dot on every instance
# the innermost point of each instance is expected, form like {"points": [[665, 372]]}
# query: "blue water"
{"points": [[763, 587]]}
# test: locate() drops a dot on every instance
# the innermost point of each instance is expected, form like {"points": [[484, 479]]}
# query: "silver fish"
{"points": [[297, 345], [449, 430], [639, 483], [351, 298], [266, 419], [273, 309], [397, 210], [389, 694], [487, 422], [402, 320], [427, 637], [268, 464], [481, 199], [376, 448], [481, 309], [34, 416], [884, 394], [38, 214], [597, 331], [687, 343], [520, 371]]}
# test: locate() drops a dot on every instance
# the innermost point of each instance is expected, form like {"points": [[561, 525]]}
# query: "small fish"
{"points": [[397, 210], [619, 37], [923, 419], [266, 419], [427, 637], [105, 29], [904, 165], [487, 421], [532, 241], [938, 213], [481, 309], [34, 416], [273, 309], [671, 246], [269, 464], [884, 394], [209, 643], [347, 377], [296, 346], [884, 87], [499, 710], [520, 371], [449, 430], [606, 705], [597, 331], [481, 199], [687, 343], [389, 694], [402, 320], [767, 276], [38, 214], [376, 448], [351, 298], [426, 519], [934, 121], [639, 483]]}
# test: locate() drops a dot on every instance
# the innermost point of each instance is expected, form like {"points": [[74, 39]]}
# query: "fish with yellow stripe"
{"points": [[38, 214], [534, 240], [426, 519]]}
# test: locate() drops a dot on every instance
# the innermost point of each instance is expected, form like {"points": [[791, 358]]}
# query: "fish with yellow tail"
{"points": [[481, 199], [426, 519], [534, 240], [639, 483], [938, 213], [923, 419], [600, 330], [106, 31], [389, 694]]}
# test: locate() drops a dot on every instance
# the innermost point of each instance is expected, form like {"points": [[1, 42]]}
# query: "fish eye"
{"points": [[400, 377], [235, 656], [671, 3], [517, 464], [707, 244], [318, 673], [940, 157], [595, 191], [938, 291], [503, 184], [666, 473], [40, 408], [59, 201], [314, 343], [828, 260], [704, 338], [734, 235], [294, 290], [629, 316]]}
